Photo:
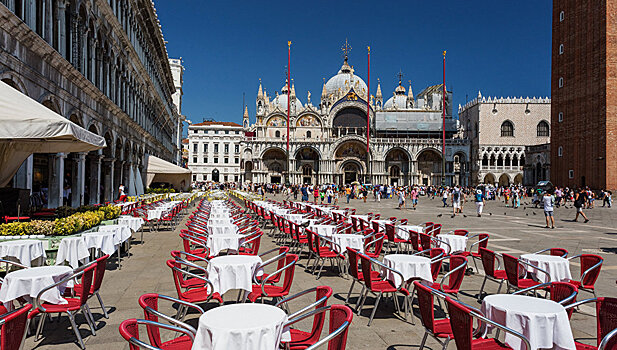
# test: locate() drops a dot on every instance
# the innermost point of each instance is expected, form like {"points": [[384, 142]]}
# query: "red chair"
{"points": [[425, 241], [481, 243], [460, 232], [373, 244], [251, 245], [590, 270], [339, 321], [263, 290], [356, 274], [455, 276], [301, 339], [279, 258], [150, 303], [391, 235], [563, 293], [72, 306], [434, 230], [490, 272], [99, 272], [438, 329], [13, 326], [414, 240], [555, 252], [194, 293], [326, 252], [129, 330], [514, 273], [461, 322], [606, 323], [380, 287]]}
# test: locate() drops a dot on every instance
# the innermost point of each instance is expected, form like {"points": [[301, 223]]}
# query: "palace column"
{"points": [[109, 180], [56, 180], [95, 179], [78, 179]]}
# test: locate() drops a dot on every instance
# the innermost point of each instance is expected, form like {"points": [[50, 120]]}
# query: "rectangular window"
{"points": [[226, 132], [216, 160], [205, 147], [226, 160], [237, 132], [194, 159], [216, 132], [226, 148], [237, 149], [194, 131], [560, 151], [561, 49], [195, 145], [194, 177], [226, 178], [236, 178], [205, 160], [560, 117], [561, 82], [216, 148], [562, 16], [571, 174], [237, 160]]}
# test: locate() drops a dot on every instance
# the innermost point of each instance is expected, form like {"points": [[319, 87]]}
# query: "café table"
{"points": [[456, 243], [323, 230], [24, 250], [218, 243], [28, 283], [410, 266], [557, 267], [543, 322], [402, 231], [72, 250], [344, 240], [233, 272], [242, 326], [223, 229]]}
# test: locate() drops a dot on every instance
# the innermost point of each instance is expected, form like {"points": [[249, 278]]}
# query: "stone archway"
{"points": [[397, 166], [350, 151], [307, 161], [275, 163], [489, 179], [429, 167], [504, 180], [518, 179], [351, 171]]}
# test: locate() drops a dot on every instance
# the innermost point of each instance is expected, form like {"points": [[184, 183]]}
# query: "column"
{"points": [[109, 180], [61, 23], [79, 180], [56, 180], [95, 179]]}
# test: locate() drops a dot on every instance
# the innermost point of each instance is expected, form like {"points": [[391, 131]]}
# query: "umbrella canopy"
{"points": [[159, 170], [28, 127]]}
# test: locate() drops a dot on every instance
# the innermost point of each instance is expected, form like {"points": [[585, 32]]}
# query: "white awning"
{"points": [[28, 127], [159, 170]]}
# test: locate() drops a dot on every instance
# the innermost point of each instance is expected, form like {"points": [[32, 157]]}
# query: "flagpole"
{"points": [[288, 105], [368, 116], [443, 115]]}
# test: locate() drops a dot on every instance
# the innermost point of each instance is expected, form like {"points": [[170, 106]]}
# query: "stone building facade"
{"points": [[103, 65], [177, 73], [538, 165], [584, 93], [328, 140], [499, 129], [214, 151]]}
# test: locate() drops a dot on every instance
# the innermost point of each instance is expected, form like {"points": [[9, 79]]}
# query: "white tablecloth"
{"points": [[132, 222], [217, 243], [30, 282], [363, 217], [347, 240], [296, 218], [107, 242], [220, 215], [410, 266], [226, 229], [543, 322], [402, 230], [557, 267], [72, 250], [220, 221], [457, 243], [241, 326], [323, 230], [155, 214], [24, 250], [232, 272]]}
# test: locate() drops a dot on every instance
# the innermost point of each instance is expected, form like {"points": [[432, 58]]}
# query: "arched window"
{"points": [[507, 129], [308, 134], [543, 128], [277, 134]]}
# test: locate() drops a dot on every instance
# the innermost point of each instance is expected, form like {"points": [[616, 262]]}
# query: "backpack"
{"points": [[478, 197], [455, 195]]}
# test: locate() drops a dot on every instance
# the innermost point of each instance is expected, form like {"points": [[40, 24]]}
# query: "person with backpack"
{"points": [[456, 200], [579, 203], [479, 202]]}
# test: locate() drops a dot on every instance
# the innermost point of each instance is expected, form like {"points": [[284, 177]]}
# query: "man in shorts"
{"points": [[479, 202], [456, 200], [548, 200]]}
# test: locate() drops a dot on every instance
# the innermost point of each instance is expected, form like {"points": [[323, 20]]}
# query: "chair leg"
{"points": [[362, 300], [98, 296], [423, 340], [500, 284], [85, 310], [353, 281], [482, 289], [76, 330], [374, 309], [39, 329], [445, 344]]}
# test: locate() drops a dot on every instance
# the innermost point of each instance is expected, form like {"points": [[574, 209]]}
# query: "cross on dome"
{"points": [[346, 48]]}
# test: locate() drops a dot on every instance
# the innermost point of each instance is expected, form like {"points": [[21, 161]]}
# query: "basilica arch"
{"points": [[397, 166], [307, 163], [275, 163], [429, 167], [350, 157]]}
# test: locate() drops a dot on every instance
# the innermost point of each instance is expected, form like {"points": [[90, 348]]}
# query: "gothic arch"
{"points": [[14, 81], [389, 151], [51, 102]]}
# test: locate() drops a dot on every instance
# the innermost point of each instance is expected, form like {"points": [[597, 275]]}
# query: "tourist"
{"points": [[315, 193], [479, 202], [401, 198], [304, 191], [414, 197], [329, 194], [606, 198], [121, 193], [456, 200], [444, 197], [549, 201], [348, 193], [579, 203]]}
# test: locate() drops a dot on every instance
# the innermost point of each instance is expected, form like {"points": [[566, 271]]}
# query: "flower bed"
{"points": [[64, 226]]}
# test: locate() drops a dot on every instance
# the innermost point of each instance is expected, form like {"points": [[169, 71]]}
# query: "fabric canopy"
{"points": [[28, 127], [159, 170]]}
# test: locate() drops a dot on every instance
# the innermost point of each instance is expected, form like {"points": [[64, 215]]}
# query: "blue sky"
{"points": [[499, 47]]}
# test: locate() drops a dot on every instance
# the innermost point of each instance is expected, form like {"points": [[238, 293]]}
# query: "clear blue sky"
{"points": [[499, 47]]}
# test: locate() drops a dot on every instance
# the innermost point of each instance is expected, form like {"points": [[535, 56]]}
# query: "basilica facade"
{"points": [[328, 139]]}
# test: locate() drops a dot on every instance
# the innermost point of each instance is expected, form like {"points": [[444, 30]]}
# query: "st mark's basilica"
{"points": [[328, 140]]}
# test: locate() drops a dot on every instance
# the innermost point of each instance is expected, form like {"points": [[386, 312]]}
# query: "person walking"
{"points": [[315, 193], [414, 197], [456, 200], [548, 200], [348, 193], [304, 191], [479, 202], [401, 198], [444, 197], [579, 203]]}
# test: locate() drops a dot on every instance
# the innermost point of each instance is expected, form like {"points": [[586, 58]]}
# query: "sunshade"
{"points": [[28, 127], [159, 170]]}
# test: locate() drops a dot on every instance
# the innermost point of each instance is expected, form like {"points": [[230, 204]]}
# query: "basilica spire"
{"points": [[260, 91], [246, 112], [378, 94], [293, 88], [324, 92], [410, 92]]}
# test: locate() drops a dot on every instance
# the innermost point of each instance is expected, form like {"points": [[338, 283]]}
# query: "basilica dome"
{"points": [[400, 101], [280, 101], [345, 80]]}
